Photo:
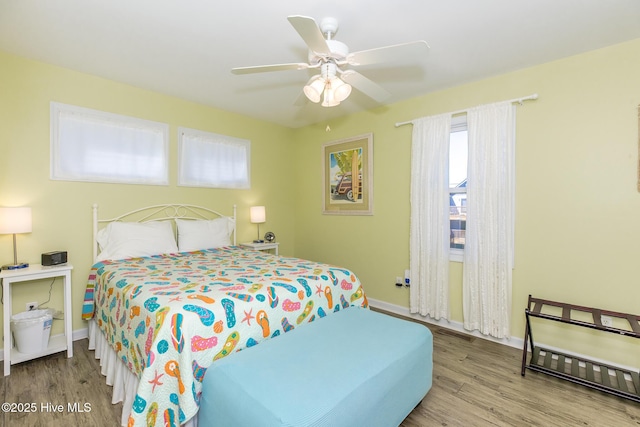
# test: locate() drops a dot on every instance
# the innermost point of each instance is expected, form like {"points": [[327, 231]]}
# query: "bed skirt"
{"points": [[123, 381]]}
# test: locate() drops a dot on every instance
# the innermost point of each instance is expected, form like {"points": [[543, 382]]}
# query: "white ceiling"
{"points": [[187, 48]]}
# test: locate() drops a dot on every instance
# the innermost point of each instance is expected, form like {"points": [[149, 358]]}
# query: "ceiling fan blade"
{"points": [[366, 86], [394, 53], [301, 100], [310, 33], [268, 68]]}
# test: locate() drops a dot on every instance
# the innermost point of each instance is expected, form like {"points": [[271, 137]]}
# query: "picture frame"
{"points": [[339, 161]]}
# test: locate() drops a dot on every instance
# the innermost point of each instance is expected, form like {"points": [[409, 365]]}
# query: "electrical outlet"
{"points": [[399, 281], [606, 321], [32, 305]]}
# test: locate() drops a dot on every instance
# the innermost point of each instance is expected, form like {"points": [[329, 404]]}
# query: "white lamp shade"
{"points": [[329, 99], [313, 89], [341, 89], [258, 214], [15, 220]]}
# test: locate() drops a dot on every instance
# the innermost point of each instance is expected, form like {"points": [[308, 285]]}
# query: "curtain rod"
{"points": [[518, 100]]}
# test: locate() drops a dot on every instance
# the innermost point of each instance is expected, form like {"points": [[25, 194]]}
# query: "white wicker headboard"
{"points": [[159, 213]]}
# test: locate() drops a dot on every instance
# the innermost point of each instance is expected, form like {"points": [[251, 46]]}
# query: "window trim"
{"points": [[456, 255]]}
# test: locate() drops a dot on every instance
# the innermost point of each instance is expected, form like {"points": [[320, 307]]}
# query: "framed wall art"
{"points": [[347, 175]]}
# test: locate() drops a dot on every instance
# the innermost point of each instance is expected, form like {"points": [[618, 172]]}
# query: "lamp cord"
{"points": [[50, 289], [39, 305]]}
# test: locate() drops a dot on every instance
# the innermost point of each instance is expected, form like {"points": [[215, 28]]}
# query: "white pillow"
{"points": [[120, 240], [195, 235]]}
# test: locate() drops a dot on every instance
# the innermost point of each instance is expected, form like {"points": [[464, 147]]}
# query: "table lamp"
{"points": [[258, 216], [15, 221]]}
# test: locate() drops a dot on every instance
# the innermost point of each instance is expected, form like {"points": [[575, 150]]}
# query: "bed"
{"points": [[171, 292]]}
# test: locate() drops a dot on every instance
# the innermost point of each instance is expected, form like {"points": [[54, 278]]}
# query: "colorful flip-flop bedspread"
{"points": [[169, 317]]}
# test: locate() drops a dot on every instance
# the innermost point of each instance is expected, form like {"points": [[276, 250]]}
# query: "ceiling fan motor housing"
{"points": [[339, 52], [329, 27]]}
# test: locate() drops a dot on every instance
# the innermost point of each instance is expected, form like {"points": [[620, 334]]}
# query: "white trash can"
{"points": [[31, 330]]}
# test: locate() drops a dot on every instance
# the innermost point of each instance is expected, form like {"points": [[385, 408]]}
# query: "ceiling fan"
{"points": [[332, 59]]}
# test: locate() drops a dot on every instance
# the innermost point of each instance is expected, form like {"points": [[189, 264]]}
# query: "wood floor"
{"points": [[475, 383], [478, 383]]}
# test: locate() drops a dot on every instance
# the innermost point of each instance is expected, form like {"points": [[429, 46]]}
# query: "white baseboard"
{"points": [[458, 327], [80, 334], [455, 326]]}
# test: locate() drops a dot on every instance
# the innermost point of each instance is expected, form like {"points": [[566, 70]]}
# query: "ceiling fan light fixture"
{"points": [[314, 87], [331, 89]]}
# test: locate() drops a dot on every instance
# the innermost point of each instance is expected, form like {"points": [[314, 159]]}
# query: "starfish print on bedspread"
{"points": [[248, 317], [156, 381]]}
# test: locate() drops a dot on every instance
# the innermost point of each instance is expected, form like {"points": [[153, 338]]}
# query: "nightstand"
{"points": [[261, 246], [56, 343]]}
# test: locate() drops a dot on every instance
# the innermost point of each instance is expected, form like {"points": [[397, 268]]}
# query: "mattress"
{"points": [[356, 368], [169, 317]]}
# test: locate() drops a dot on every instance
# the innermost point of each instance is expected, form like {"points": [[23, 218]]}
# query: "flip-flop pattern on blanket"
{"points": [[170, 317]]}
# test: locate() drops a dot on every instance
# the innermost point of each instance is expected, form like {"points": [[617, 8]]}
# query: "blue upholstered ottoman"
{"points": [[352, 368]]}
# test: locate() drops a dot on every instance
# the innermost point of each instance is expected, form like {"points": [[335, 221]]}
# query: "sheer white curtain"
{"points": [[211, 160], [429, 239], [96, 146], [488, 252]]}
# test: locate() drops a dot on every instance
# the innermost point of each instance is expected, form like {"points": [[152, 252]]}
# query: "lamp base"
{"points": [[15, 266], [258, 241]]}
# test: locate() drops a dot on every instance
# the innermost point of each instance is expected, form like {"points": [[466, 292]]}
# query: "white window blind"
{"points": [[95, 146], [211, 160]]}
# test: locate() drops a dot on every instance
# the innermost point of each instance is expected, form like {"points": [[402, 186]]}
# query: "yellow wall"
{"points": [[577, 205], [62, 210], [577, 227]]}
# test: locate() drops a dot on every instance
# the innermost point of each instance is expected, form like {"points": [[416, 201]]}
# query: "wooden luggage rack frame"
{"points": [[614, 380]]}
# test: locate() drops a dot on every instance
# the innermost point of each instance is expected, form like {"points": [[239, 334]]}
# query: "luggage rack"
{"points": [[609, 379]]}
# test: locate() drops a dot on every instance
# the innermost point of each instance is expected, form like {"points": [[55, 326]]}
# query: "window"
{"points": [[211, 160], [458, 155], [91, 145]]}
